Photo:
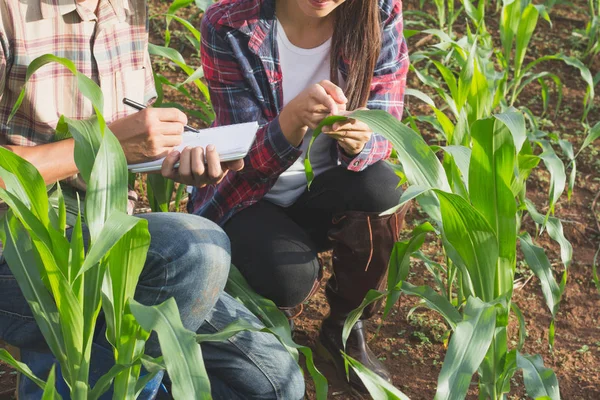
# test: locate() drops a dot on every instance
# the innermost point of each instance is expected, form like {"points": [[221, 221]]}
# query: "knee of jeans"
{"points": [[199, 247], [294, 386]]}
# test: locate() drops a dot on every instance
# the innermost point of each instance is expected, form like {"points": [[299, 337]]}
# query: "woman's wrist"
{"points": [[292, 128]]}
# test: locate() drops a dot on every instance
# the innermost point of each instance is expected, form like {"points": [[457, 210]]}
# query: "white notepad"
{"points": [[232, 142]]}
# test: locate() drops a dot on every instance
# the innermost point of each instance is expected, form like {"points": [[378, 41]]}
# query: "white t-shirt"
{"points": [[301, 68]]}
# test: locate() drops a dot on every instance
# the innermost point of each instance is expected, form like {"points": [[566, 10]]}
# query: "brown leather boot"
{"points": [[362, 245]]}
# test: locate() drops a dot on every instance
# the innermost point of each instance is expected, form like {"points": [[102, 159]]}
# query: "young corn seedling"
{"points": [[479, 226], [67, 281]]}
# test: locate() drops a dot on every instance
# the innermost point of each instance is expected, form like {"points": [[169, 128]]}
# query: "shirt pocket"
{"points": [[131, 84]]}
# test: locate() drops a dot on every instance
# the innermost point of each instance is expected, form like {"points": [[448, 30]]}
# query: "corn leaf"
{"points": [[528, 22], [22, 368], [434, 301], [491, 172], [558, 176], [593, 135], [466, 350], [471, 243], [538, 262], [399, 264], [19, 253], [540, 382], [377, 387], [181, 353], [25, 182], [107, 187], [50, 392]]}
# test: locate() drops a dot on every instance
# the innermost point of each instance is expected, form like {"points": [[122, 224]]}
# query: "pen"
{"points": [[139, 107]]}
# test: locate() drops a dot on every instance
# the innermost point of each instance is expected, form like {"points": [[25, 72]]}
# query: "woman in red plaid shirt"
{"points": [[288, 64]]}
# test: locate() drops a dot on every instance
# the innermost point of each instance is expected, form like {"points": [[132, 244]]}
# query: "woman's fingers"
{"points": [[334, 91]]}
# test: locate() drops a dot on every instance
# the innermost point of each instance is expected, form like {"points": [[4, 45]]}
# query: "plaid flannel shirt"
{"points": [[241, 66], [110, 47]]}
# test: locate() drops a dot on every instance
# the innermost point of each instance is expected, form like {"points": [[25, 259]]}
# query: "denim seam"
{"points": [[15, 315], [255, 361]]}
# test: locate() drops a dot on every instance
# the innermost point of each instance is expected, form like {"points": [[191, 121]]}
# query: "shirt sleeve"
{"points": [[235, 102], [387, 87]]}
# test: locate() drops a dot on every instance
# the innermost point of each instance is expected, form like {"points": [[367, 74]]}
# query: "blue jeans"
{"points": [[189, 260]]}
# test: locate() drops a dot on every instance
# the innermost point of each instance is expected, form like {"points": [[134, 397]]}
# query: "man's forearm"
{"points": [[55, 161]]}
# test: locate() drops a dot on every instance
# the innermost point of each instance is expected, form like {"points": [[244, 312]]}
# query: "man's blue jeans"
{"points": [[189, 260]]}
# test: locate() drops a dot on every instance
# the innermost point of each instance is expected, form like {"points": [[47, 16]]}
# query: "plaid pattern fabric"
{"points": [[111, 48], [241, 66]]}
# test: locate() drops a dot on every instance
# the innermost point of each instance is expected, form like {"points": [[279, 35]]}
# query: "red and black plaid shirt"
{"points": [[241, 66]]}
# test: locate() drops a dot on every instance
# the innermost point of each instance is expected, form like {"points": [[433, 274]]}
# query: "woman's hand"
{"points": [[309, 108], [197, 168], [352, 135]]}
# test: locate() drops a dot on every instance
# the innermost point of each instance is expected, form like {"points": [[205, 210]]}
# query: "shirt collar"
{"points": [[255, 18], [55, 8]]}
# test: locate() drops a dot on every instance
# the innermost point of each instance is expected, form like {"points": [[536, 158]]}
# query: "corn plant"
{"points": [[479, 224], [591, 33], [66, 283], [162, 192]]}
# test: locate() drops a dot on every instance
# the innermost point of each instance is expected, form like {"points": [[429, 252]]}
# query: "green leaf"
{"points": [[515, 122], [528, 22], [592, 135], [540, 382], [555, 231], [471, 243], [467, 349], [50, 392], [538, 261], [371, 297], [24, 181], [103, 384], [107, 187], [491, 172], [19, 253], [378, 387], [125, 263], [160, 192], [181, 353], [85, 85], [310, 175], [263, 308], [558, 176], [113, 230], [434, 301], [400, 263], [22, 368]]}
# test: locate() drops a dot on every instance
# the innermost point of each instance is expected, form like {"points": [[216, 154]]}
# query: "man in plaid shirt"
{"points": [[189, 256]]}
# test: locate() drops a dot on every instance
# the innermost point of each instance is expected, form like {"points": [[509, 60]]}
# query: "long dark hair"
{"points": [[357, 40]]}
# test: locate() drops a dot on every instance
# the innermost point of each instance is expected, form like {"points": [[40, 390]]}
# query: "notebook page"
{"points": [[232, 142]]}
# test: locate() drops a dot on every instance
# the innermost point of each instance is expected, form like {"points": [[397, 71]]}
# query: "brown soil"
{"points": [[413, 348]]}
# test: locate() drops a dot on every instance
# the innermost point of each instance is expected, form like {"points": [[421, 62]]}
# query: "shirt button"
{"points": [[356, 163]]}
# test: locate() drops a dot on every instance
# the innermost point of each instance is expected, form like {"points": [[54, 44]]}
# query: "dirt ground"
{"points": [[413, 348]]}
